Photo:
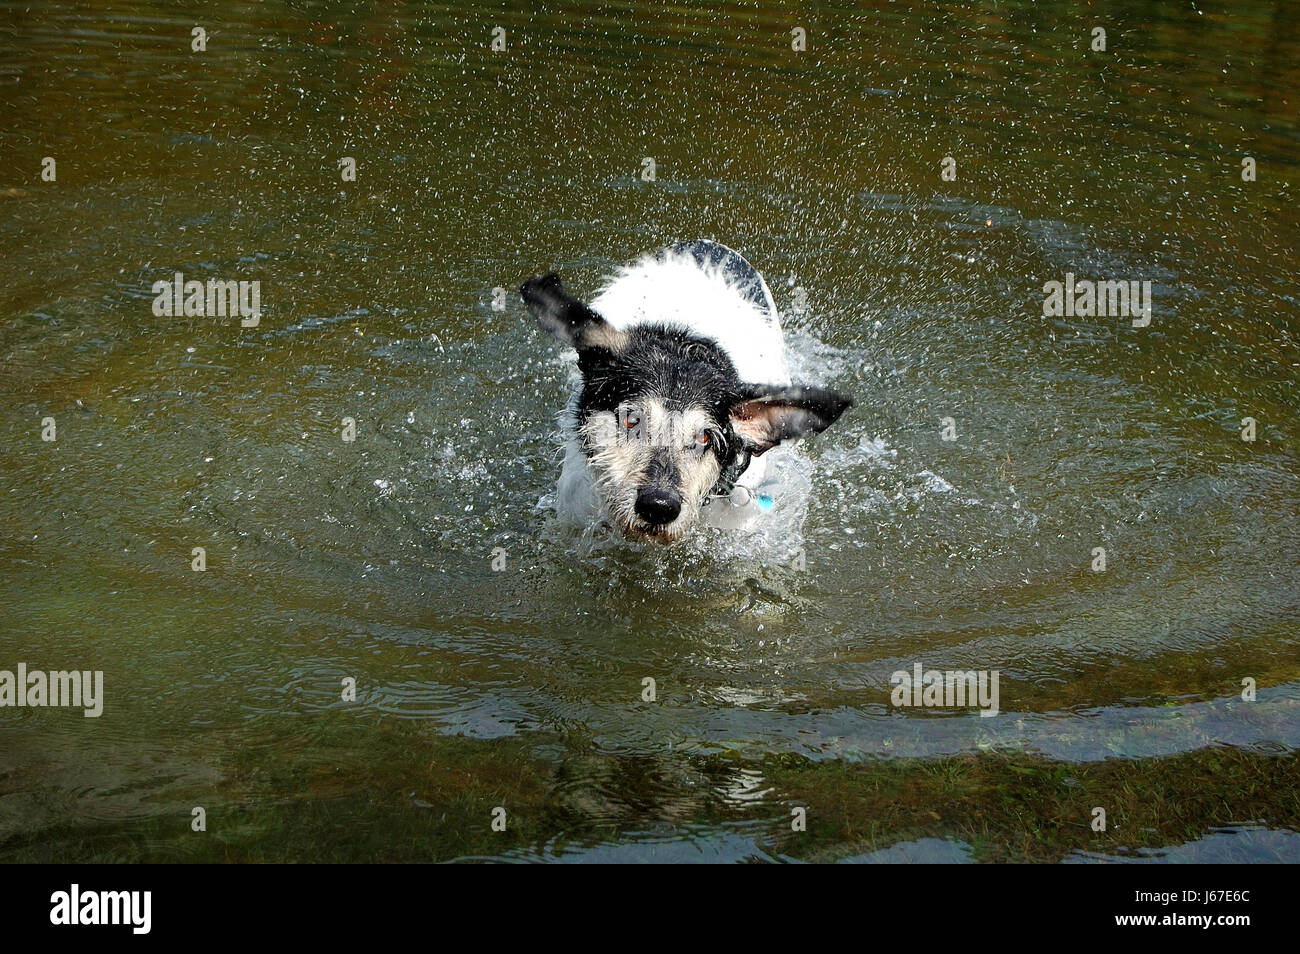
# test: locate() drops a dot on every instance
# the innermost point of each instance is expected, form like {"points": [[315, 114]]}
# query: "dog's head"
{"points": [[663, 418]]}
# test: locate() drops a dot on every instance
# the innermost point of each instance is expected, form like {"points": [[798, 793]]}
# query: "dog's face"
{"points": [[663, 418]]}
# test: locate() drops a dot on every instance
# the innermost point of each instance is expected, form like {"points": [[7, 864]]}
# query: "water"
{"points": [[522, 689]]}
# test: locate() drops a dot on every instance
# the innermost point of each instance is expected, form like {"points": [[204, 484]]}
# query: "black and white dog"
{"points": [[684, 387]]}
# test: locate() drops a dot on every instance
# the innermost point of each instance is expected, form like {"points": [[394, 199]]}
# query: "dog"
{"points": [[684, 389]]}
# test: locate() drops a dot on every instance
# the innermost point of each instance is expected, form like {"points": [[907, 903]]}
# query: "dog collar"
{"points": [[727, 479], [727, 489]]}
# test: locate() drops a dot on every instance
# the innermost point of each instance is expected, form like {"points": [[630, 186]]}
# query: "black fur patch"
{"points": [[681, 369]]}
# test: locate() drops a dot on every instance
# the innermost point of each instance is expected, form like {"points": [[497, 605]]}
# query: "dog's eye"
{"points": [[703, 439], [631, 421]]}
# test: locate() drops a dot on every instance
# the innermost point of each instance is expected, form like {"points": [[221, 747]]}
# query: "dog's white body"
{"points": [[708, 299], [675, 289]]}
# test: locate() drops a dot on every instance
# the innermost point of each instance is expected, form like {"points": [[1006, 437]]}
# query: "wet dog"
{"points": [[684, 388]]}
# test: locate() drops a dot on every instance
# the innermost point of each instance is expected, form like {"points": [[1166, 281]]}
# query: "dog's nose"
{"points": [[658, 507]]}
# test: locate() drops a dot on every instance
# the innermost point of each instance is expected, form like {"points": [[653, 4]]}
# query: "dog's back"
{"points": [[711, 290]]}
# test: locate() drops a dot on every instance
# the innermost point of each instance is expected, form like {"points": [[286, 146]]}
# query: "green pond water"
{"points": [[521, 688]]}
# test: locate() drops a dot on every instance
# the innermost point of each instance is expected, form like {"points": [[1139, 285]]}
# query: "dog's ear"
{"points": [[568, 319], [764, 417]]}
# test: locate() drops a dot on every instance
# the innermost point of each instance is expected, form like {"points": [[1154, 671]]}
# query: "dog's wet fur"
{"points": [[663, 418]]}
